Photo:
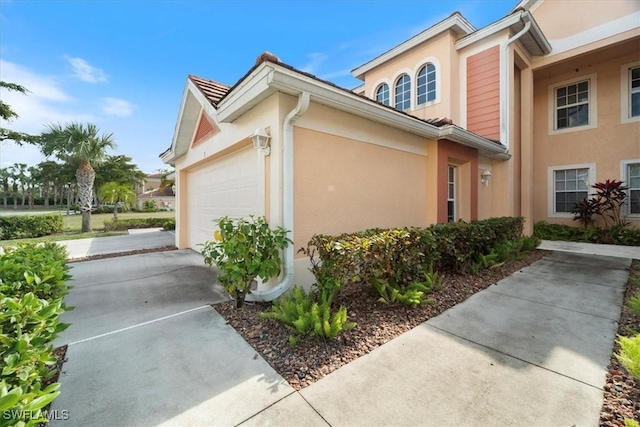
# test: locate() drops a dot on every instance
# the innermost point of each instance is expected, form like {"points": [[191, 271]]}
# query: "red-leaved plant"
{"points": [[606, 202]]}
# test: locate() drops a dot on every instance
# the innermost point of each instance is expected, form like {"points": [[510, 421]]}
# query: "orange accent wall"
{"points": [[206, 128], [450, 153], [483, 93]]}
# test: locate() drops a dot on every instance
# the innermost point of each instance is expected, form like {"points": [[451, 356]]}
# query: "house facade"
{"points": [[517, 118]]}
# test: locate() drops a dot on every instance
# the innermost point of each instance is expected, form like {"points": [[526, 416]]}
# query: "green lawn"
{"points": [[74, 222], [73, 225]]}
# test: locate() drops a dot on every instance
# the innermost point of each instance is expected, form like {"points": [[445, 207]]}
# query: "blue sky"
{"points": [[123, 64]]}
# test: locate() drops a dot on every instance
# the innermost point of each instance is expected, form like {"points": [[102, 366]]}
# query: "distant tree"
{"points": [[81, 143], [5, 176], [14, 177], [118, 169], [116, 193], [8, 114], [48, 175]]}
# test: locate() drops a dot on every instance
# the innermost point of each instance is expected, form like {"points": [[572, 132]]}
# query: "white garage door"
{"points": [[227, 186]]}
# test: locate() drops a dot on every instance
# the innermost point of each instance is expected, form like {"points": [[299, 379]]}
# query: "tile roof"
{"points": [[211, 89]]}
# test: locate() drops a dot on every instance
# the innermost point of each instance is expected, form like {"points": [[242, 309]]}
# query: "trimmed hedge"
{"points": [[125, 224], [169, 224], [25, 226], [407, 255], [32, 291]]}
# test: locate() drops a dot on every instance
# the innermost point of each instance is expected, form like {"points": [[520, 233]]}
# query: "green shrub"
{"points": [[26, 226], [150, 206], [243, 250], [125, 224], [617, 234], [629, 354], [301, 313], [628, 422], [634, 305], [169, 224], [32, 289]]}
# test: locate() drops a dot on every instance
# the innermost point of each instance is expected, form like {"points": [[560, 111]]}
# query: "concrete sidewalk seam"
{"points": [[515, 357], [315, 410], [139, 325], [551, 305], [547, 276], [265, 408]]}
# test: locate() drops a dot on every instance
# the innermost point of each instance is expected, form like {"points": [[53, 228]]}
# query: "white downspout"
{"points": [[287, 201], [504, 81]]}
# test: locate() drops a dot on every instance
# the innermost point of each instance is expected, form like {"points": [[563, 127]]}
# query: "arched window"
{"points": [[403, 92], [426, 84], [382, 94]]}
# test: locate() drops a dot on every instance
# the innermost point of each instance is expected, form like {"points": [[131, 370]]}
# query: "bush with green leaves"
{"points": [[302, 313], [505, 252], [150, 206], [125, 224], [27, 226], [243, 250], [629, 354], [617, 234], [32, 289], [169, 224]]}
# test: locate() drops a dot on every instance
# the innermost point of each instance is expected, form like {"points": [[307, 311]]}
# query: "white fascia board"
{"points": [[484, 146], [169, 155], [503, 24], [455, 22], [293, 83], [253, 89]]}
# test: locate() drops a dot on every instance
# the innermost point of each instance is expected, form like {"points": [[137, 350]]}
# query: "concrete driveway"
{"points": [[145, 348], [137, 240]]}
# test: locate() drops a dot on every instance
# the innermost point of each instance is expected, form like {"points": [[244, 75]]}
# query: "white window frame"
{"points": [[423, 63], [593, 102], [375, 93], [551, 183], [625, 93], [450, 197], [624, 167], [404, 92]]}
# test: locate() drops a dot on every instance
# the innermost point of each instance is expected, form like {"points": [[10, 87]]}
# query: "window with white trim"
{"points": [[382, 94], [570, 186], [634, 92], [451, 194], [426, 85], [572, 105], [403, 92], [633, 182]]}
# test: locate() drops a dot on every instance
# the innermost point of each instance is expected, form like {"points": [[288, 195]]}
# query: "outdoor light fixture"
{"points": [[484, 177], [260, 140]]}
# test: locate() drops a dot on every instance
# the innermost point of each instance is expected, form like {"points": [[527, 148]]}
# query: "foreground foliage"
{"points": [[32, 290], [242, 250]]}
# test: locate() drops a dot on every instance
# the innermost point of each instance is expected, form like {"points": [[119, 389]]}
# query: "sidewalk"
{"points": [[592, 249], [141, 239], [531, 350]]}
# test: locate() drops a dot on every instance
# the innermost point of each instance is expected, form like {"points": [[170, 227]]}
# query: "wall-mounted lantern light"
{"points": [[260, 140], [485, 176]]}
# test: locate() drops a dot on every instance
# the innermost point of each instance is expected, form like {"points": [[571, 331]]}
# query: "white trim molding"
{"points": [[625, 93], [624, 165], [551, 191], [593, 104]]}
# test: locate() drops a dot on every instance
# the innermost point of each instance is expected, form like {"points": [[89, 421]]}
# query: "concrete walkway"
{"points": [[632, 252], [146, 349], [141, 239]]}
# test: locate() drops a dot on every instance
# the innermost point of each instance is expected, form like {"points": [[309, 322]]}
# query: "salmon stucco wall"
{"points": [[345, 185], [483, 93], [466, 160]]}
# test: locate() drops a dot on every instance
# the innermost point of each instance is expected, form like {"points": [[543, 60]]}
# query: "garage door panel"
{"points": [[227, 186]]}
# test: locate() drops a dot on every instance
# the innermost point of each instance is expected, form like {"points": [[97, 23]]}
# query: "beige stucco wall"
{"points": [[562, 19], [440, 49], [345, 185], [605, 145]]}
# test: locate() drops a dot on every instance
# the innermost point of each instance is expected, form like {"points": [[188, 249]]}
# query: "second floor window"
{"points": [[403, 92], [382, 94], [634, 89], [572, 105], [426, 84]]}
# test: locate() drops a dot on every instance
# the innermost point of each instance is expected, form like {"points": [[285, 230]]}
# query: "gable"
{"points": [[206, 128]]}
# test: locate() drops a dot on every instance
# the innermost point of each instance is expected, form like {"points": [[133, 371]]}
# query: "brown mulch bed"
{"points": [[622, 391], [119, 254], [313, 358]]}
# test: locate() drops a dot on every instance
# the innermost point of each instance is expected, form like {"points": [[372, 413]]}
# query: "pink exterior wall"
{"points": [[483, 93], [466, 159]]}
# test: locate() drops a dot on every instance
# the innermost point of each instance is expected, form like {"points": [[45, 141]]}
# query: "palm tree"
{"points": [[49, 173], [80, 143], [20, 173], [117, 193], [5, 175], [13, 176]]}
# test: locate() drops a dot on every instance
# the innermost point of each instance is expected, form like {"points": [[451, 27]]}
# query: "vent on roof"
{"points": [[267, 56]]}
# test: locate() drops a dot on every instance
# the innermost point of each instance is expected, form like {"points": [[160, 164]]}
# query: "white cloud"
{"points": [[85, 71], [315, 60], [46, 102], [117, 107]]}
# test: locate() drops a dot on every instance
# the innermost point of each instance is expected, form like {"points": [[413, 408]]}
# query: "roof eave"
{"points": [[485, 146], [456, 23]]}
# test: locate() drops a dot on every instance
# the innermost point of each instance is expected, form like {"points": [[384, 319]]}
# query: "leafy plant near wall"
{"points": [[605, 207], [32, 290], [244, 249]]}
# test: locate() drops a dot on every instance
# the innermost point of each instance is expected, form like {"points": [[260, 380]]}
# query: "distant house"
{"points": [[517, 118], [159, 188]]}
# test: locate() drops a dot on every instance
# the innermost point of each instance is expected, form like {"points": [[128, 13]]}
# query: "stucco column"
{"points": [[526, 141]]}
